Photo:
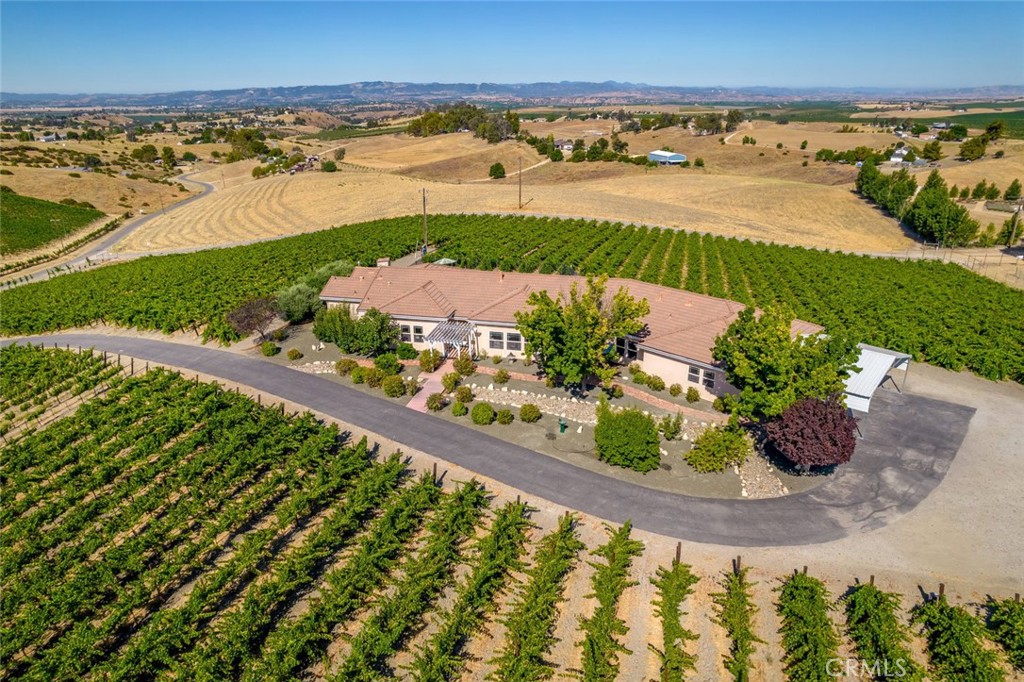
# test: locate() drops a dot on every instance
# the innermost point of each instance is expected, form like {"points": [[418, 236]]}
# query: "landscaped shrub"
{"points": [[464, 394], [627, 438], [671, 426], [496, 359], [294, 354], [344, 366], [617, 391], [505, 417], [655, 383], [436, 402], [717, 448], [464, 364], [374, 376], [640, 377], [549, 382], [358, 375], [813, 432], [430, 360], [269, 348], [279, 335], [501, 377], [483, 414], [412, 387], [529, 413], [634, 367], [388, 363], [450, 381], [394, 386], [692, 395], [459, 409], [405, 351], [674, 390]]}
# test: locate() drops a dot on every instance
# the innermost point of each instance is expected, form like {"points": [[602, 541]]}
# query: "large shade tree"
{"points": [[772, 369], [570, 336]]}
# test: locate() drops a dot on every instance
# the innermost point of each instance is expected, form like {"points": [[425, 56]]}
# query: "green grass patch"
{"points": [[29, 223], [1014, 120]]}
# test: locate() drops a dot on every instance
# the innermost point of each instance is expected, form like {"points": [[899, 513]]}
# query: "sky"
{"points": [[145, 47]]}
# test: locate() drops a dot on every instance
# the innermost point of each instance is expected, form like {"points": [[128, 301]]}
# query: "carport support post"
{"points": [[679, 552], [942, 590]]}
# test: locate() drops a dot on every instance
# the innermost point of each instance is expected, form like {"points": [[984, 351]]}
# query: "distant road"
{"points": [[97, 249]]}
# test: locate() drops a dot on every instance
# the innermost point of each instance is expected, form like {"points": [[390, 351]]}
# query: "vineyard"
{"points": [[30, 223], [156, 527], [940, 313]]}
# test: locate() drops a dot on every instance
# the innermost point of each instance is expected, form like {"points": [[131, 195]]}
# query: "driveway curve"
{"points": [[909, 443]]}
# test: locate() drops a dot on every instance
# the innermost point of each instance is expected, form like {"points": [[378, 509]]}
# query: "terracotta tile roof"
{"points": [[680, 323]]}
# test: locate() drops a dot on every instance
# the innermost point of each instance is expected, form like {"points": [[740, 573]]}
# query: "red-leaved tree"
{"points": [[814, 432]]}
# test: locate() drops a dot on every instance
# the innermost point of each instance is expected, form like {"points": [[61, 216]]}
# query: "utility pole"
{"points": [[520, 183], [424, 223]]}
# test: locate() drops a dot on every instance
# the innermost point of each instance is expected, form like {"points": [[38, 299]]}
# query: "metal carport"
{"points": [[873, 369]]}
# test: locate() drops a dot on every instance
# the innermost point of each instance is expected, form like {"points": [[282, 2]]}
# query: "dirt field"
{"points": [[817, 135], [756, 208]]}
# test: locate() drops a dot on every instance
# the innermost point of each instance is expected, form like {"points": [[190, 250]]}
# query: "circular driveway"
{"points": [[908, 445]]}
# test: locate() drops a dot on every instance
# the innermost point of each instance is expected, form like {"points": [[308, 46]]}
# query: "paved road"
{"points": [[909, 444], [100, 246]]}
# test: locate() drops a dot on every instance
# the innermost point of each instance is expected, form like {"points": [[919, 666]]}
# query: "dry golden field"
{"points": [[817, 135], [806, 213], [896, 112]]}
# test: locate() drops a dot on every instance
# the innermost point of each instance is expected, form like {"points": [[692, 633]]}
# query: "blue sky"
{"points": [[136, 47]]}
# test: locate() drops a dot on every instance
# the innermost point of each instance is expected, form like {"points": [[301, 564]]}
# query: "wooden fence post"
{"points": [[942, 589], [872, 581]]}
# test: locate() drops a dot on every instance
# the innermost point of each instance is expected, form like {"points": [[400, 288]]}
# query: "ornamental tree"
{"points": [[253, 316], [627, 438], [814, 432], [772, 370], [569, 337]]}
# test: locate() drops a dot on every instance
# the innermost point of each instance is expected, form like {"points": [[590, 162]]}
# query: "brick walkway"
{"points": [[432, 385]]}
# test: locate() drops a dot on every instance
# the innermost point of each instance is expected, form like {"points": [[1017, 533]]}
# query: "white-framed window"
{"points": [[406, 333], [417, 334], [709, 379], [514, 341], [496, 341], [694, 375]]}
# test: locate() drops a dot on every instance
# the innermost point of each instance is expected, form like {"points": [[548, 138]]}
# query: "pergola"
{"points": [[451, 332]]}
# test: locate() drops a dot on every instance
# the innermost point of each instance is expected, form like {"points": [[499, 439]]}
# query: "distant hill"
{"points": [[565, 92]]}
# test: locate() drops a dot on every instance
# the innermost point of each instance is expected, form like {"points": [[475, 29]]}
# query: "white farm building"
{"points": [[666, 158]]}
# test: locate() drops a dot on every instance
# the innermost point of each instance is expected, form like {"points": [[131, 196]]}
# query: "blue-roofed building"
{"points": [[666, 158]]}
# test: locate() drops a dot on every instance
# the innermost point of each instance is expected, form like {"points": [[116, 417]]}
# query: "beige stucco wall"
{"points": [[482, 341], [678, 372]]}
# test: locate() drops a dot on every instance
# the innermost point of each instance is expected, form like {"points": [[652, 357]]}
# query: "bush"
{"points": [[464, 364], [699, 162], [279, 335], [298, 302], [505, 417], [450, 381], [497, 171], [640, 377], [388, 363], [718, 404], [394, 386], [464, 394], [483, 414], [345, 366], [328, 166], [459, 409], [529, 413], [294, 354], [549, 381], [671, 427], [692, 395], [496, 359], [436, 402], [405, 351], [814, 432], [430, 360], [502, 376], [617, 391], [717, 448], [674, 390], [374, 376], [655, 383], [412, 387], [358, 375], [628, 438], [634, 367], [269, 348]]}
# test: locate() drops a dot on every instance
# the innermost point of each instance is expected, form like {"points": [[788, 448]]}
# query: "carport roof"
{"points": [[873, 365]]}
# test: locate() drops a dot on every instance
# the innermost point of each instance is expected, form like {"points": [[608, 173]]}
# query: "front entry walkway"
{"points": [[432, 385]]}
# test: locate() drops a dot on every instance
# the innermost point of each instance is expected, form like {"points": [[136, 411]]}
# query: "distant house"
{"points": [[564, 145], [53, 137], [666, 158], [939, 126], [927, 136]]}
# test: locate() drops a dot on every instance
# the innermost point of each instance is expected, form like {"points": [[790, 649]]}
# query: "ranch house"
{"points": [[454, 309], [666, 158]]}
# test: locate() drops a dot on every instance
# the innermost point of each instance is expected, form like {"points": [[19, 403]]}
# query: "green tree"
{"points": [[803, 145], [995, 130], [328, 166], [992, 192], [1012, 192], [375, 333], [189, 157], [937, 218], [978, 193], [772, 370], [339, 154], [497, 171], [167, 156], [918, 128], [973, 149], [146, 153], [570, 336], [626, 438], [932, 151]]}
